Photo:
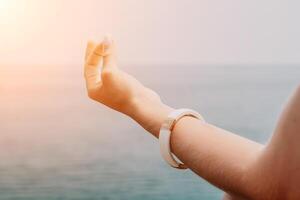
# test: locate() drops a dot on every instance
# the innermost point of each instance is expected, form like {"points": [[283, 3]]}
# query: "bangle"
{"points": [[165, 135]]}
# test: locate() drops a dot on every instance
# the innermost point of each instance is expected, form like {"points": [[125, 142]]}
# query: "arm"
{"points": [[221, 157]]}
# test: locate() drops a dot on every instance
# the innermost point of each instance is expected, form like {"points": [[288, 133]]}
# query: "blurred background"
{"points": [[236, 62]]}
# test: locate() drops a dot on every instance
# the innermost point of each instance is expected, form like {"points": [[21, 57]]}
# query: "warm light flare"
{"points": [[3, 4], [11, 13], [17, 26], [6, 8]]}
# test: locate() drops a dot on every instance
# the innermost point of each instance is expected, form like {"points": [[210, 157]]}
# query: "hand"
{"points": [[109, 85]]}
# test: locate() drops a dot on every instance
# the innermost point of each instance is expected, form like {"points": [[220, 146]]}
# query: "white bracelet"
{"points": [[165, 135]]}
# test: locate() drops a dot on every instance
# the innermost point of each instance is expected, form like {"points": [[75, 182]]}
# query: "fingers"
{"points": [[95, 54], [99, 51], [106, 49], [89, 48], [91, 69]]}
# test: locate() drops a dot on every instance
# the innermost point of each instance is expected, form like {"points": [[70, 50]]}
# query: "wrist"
{"points": [[149, 114]]}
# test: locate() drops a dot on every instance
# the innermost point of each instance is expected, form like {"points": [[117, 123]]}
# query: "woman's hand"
{"points": [[230, 162], [109, 85]]}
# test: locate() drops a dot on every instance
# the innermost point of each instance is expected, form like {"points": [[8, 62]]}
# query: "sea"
{"points": [[56, 144]]}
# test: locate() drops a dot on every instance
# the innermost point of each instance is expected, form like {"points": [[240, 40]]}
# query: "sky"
{"points": [[153, 32]]}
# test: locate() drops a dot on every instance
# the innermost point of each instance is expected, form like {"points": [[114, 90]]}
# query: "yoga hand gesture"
{"points": [[109, 85], [241, 167]]}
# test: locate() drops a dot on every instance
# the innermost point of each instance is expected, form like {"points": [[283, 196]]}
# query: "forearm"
{"points": [[150, 115], [220, 157]]}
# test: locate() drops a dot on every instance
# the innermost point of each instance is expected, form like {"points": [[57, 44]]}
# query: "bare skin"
{"points": [[242, 168]]}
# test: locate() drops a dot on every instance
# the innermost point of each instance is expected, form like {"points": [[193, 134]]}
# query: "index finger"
{"points": [[89, 48]]}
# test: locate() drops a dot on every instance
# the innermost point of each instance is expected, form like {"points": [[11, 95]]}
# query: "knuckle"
{"points": [[85, 75]]}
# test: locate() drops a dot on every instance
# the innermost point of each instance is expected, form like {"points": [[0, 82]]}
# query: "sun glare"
{"points": [[16, 24], [5, 7], [9, 11]]}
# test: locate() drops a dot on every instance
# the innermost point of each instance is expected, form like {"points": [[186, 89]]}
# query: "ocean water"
{"points": [[55, 143]]}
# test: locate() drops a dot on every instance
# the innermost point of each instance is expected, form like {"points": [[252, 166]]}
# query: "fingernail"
{"points": [[107, 40]]}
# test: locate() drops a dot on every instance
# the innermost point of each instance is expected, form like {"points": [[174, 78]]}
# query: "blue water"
{"points": [[57, 144]]}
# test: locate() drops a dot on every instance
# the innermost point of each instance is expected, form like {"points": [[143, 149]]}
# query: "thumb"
{"points": [[107, 50]]}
